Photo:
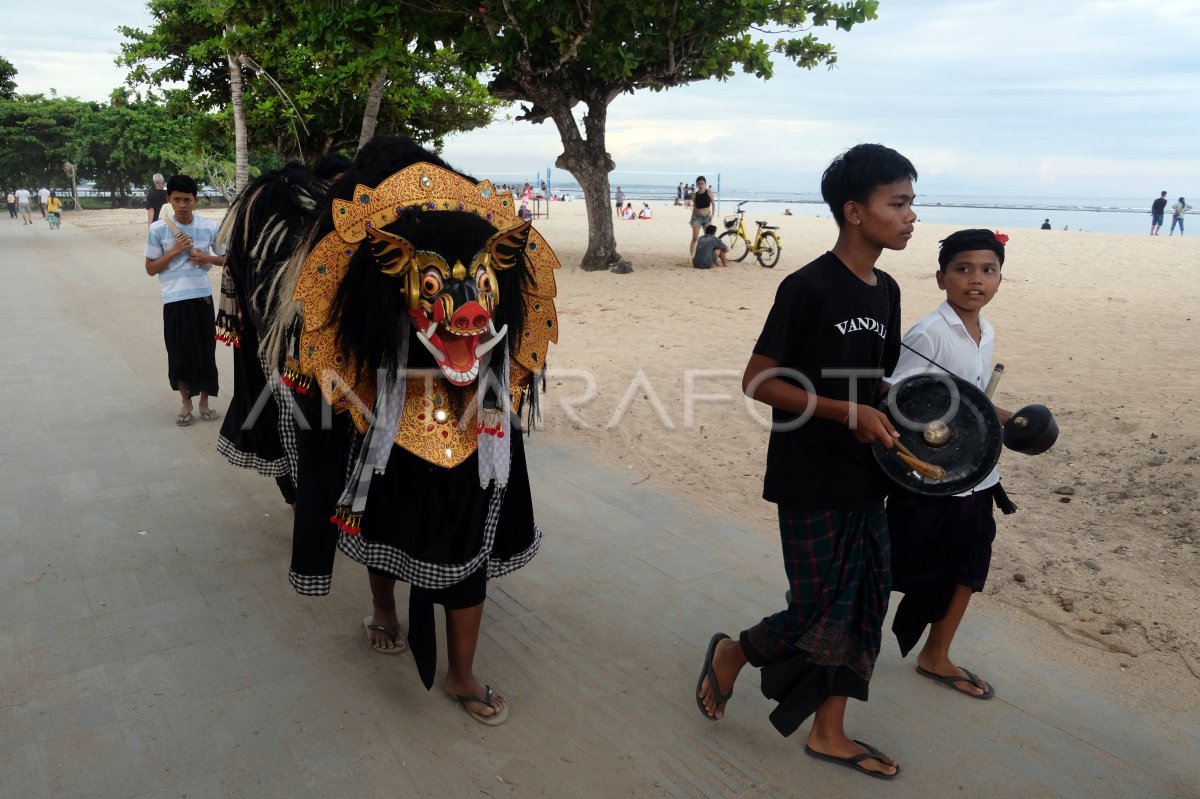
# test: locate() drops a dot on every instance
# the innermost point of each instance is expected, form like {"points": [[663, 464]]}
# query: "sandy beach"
{"points": [[1101, 328]]}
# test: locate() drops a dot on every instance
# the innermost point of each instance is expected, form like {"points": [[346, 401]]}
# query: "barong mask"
{"points": [[453, 250], [452, 306]]}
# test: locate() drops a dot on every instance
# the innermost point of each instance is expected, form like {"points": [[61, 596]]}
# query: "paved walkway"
{"points": [[150, 644]]}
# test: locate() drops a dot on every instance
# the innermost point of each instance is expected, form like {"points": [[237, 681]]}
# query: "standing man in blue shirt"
{"points": [[180, 251]]}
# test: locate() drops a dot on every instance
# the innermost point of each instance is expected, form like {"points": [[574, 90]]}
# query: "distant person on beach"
{"points": [[1177, 211], [620, 205], [837, 315], [156, 198], [687, 195], [710, 250], [24, 209], [11, 200], [1046, 225], [628, 212], [180, 254], [1157, 209], [43, 196], [702, 209], [645, 213], [942, 546], [679, 194]]}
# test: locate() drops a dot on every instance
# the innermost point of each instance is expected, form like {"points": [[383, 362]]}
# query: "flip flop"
{"points": [[711, 674], [855, 761], [184, 419], [950, 682], [495, 719], [210, 415], [398, 644]]}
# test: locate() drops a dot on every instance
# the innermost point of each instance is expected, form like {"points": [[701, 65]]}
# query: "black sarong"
{"points": [[189, 331], [938, 543]]}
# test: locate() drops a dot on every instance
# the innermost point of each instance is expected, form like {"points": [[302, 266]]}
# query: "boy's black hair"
{"points": [[856, 173], [965, 240], [700, 178], [710, 229], [331, 164], [183, 184]]}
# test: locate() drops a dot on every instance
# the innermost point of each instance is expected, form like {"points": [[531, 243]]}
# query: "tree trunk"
{"points": [[241, 149], [371, 114], [589, 161]]}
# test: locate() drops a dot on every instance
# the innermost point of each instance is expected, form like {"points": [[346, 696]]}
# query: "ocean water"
{"points": [[1096, 215]]}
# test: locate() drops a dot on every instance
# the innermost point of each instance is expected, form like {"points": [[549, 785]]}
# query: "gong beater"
{"points": [[945, 421]]}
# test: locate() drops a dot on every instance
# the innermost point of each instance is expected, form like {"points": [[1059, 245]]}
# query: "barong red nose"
{"points": [[470, 318]]}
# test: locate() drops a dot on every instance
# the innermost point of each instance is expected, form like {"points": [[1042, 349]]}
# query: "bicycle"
{"points": [[766, 245]]}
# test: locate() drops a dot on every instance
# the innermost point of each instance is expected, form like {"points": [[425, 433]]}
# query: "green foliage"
{"points": [[118, 145], [8, 82], [308, 73]]}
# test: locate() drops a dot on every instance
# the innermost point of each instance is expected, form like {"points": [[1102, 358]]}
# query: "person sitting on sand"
{"points": [[838, 314], [645, 213], [1046, 225], [942, 546], [710, 250], [628, 213]]}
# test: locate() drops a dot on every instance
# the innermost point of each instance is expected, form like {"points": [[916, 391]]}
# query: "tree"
{"points": [[38, 132], [552, 55], [8, 82], [306, 86]]}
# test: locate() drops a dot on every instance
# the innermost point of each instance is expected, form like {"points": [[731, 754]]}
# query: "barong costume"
{"points": [[829, 491], [427, 308], [188, 324], [939, 543], [260, 232]]}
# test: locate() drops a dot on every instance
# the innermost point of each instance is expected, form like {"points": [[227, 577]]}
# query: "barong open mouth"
{"points": [[458, 347]]}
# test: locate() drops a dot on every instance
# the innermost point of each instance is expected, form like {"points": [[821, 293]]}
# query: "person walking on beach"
{"points": [[620, 204], [702, 209], [43, 196], [837, 315], [942, 546], [1157, 209], [156, 198], [180, 252], [11, 200], [23, 206], [1177, 211]]}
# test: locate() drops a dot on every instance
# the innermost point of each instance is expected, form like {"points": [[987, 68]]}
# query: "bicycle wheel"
{"points": [[738, 249], [768, 250]]}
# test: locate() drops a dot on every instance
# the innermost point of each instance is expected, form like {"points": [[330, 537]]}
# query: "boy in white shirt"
{"points": [[180, 251], [942, 546]]}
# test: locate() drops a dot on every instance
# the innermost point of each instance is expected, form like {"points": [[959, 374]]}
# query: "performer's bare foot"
{"points": [[727, 662], [470, 686], [380, 631], [842, 747], [943, 667]]}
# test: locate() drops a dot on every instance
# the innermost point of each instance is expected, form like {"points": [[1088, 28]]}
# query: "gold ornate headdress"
{"points": [[427, 425]]}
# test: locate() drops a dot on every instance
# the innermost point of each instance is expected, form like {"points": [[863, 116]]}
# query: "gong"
{"points": [[944, 421]]}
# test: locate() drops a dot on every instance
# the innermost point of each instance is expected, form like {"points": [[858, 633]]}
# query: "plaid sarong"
{"points": [[838, 565]]}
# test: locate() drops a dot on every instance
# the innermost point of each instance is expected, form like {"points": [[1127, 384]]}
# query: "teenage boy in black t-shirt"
{"points": [[831, 335]]}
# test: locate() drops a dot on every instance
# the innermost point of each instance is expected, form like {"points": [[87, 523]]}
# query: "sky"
{"points": [[1008, 99]]}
